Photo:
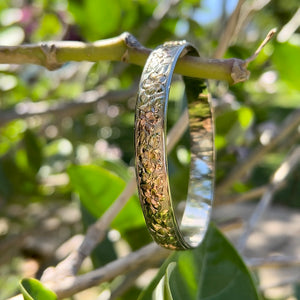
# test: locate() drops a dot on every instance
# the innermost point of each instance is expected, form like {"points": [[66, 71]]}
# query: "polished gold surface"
{"points": [[150, 147]]}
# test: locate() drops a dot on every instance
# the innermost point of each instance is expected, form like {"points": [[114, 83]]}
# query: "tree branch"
{"points": [[159, 13], [231, 224], [249, 195], [65, 286], [289, 28], [68, 286], [246, 12], [283, 282], [264, 42], [124, 47], [288, 125], [86, 101], [228, 32], [95, 233], [278, 177], [277, 261]]}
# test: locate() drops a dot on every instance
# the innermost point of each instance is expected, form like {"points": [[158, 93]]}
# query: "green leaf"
{"points": [[10, 134], [285, 59], [130, 14], [98, 12], [137, 237], [49, 28], [5, 185], [178, 176], [33, 289], [245, 116], [225, 121], [92, 16], [33, 150], [163, 290], [98, 189], [117, 167], [167, 288], [14, 173], [220, 142], [213, 271]]}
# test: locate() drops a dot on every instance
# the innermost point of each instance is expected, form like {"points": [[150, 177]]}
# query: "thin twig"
{"points": [[277, 261], [269, 36], [289, 28], [86, 100], [247, 11], [278, 177], [68, 246], [159, 13], [231, 224], [247, 196], [94, 235], [177, 130], [282, 282], [288, 125], [237, 21], [68, 286], [227, 33]]}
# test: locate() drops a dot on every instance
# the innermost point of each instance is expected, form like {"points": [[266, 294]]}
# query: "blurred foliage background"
{"points": [[69, 132]]}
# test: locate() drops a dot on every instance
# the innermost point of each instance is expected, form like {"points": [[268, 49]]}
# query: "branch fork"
{"points": [[51, 62]]}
